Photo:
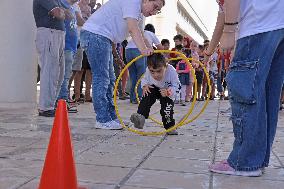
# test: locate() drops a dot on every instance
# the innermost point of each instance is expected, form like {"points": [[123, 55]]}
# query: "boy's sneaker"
{"points": [[111, 125], [48, 113], [224, 168], [138, 120], [182, 102], [173, 132]]}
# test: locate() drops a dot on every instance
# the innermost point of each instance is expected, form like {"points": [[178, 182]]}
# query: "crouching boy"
{"points": [[159, 82]]}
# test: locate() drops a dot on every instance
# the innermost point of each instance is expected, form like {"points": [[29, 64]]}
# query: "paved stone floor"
{"points": [[121, 159]]}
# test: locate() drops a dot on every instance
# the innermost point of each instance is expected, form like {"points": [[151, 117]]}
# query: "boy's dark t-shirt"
{"points": [[41, 8]]}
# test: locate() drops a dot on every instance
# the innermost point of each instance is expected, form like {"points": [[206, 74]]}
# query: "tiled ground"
{"points": [[121, 159]]}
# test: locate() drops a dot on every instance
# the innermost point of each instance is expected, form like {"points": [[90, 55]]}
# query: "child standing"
{"points": [[183, 71], [159, 82]]}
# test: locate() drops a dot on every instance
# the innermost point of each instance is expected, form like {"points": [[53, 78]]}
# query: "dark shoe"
{"points": [[122, 98], [182, 102], [133, 102], [226, 98], [81, 100], [71, 108], [48, 113], [173, 132], [138, 120]]}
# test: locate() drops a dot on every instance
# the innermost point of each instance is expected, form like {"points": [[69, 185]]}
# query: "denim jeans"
{"points": [[254, 81], [136, 70], [99, 53], [220, 78], [69, 59]]}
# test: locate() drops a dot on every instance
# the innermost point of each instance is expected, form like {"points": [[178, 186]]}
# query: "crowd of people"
{"points": [[85, 41]]}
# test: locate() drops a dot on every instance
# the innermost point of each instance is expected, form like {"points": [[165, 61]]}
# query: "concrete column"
{"points": [[18, 57]]}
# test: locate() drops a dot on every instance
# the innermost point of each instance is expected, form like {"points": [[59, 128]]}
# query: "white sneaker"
{"points": [[111, 125]]}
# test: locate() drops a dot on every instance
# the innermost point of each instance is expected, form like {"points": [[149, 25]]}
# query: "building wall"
{"points": [[17, 52], [185, 16]]}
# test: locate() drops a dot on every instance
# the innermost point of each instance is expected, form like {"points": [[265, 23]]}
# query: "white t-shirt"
{"points": [[151, 38], [110, 20], [170, 80], [258, 16]]}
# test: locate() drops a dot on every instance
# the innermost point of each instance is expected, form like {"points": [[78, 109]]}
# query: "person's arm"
{"points": [[53, 9], [157, 42], [232, 11], [218, 31], [80, 19], [176, 86], [137, 36], [116, 56], [146, 41], [177, 68], [146, 83], [78, 13]]}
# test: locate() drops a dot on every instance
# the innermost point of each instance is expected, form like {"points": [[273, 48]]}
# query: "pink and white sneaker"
{"points": [[223, 167]]}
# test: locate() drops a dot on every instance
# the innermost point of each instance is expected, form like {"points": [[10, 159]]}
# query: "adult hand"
{"points": [[58, 13], [146, 90], [147, 51], [227, 41]]}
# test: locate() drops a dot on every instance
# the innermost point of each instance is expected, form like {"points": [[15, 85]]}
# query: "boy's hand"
{"points": [[146, 90], [166, 92]]}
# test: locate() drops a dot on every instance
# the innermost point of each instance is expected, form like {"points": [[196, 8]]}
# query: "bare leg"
{"points": [[77, 84], [88, 81]]}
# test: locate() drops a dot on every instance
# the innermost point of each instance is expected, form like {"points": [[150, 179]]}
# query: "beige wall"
{"points": [[17, 52], [169, 20]]}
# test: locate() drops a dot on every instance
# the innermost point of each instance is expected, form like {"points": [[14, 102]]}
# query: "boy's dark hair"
{"points": [[156, 60], [206, 41], [179, 47], [164, 41], [150, 27], [201, 47], [178, 37]]}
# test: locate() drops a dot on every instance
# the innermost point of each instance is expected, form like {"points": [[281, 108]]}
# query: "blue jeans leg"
{"points": [[111, 108], [136, 70], [219, 83], [99, 53], [69, 59], [254, 84]]}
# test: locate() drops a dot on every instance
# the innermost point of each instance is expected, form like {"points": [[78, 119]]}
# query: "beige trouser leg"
{"points": [[50, 45]]}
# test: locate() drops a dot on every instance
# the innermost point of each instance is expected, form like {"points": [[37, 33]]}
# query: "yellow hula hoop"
{"points": [[117, 110], [208, 93], [194, 96], [195, 93]]}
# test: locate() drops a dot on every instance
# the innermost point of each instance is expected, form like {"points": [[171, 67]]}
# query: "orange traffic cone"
{"points": [[59, 170]]}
